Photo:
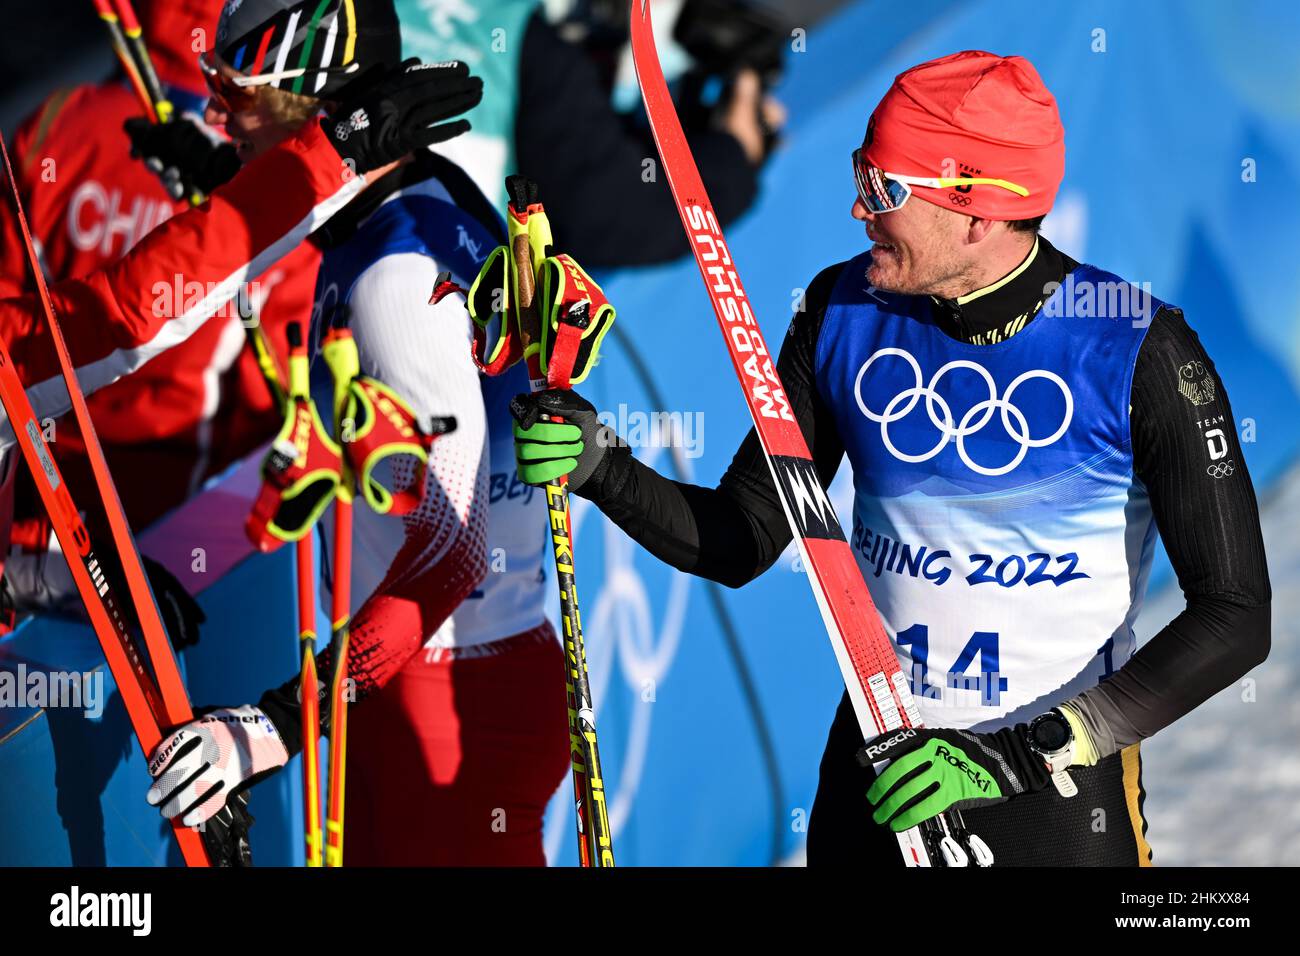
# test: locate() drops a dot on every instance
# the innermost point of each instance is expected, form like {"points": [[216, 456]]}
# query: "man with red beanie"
{"points": [[1019, 426]]}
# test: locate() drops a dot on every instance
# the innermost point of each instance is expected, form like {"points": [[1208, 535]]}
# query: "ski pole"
{"points": [[307, 616], [310, 714], [530, 238], [340, 352], [122, 49], [133, 53], [341, 618], [371, 423], [307, 690], [162, 107], [307, 682], [263, 353]]}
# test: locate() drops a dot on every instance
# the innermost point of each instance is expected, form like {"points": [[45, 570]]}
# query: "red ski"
{"points": [[876, 684], [155, 702]]}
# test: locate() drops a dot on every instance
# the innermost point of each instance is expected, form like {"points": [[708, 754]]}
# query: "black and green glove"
{"points": [[545, 451], [931, 771]]}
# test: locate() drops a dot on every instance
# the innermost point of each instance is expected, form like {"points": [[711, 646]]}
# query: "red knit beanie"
{"points": [[973, 114]]}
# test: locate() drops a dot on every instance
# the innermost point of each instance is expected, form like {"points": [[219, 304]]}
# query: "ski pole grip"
{"points": [[523, 256], [528, 231]]}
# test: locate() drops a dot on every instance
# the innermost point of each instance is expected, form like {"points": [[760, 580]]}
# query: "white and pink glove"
{"points": [[197, 767]]}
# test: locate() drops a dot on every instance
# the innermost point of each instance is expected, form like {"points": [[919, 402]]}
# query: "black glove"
{"points": [[545, 451], [183, 156], [392, 115], [226, 834], [181, 614]]}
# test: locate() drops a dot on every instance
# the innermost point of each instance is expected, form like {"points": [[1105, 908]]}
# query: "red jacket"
{"points": [[194, 409], [115, 320]]}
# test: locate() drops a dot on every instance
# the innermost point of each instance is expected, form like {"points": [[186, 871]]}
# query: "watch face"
{"points": [[1050, 733]]}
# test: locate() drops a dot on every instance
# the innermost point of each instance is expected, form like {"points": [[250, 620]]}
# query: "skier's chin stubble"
{"points": [[893, 276], [903, 275], [921, 254]]}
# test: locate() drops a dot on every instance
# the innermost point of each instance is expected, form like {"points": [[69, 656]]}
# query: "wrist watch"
{"points": [[1050, 737]]}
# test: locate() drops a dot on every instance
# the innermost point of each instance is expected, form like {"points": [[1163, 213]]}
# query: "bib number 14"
{"points": [[987, 678]]}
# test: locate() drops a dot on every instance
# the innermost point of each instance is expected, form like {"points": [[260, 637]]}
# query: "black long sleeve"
{"points": [[590, 163], [1187, 454], [732, 533]]}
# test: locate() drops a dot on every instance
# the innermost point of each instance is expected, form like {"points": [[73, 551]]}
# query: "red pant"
{"points": [[454, 761]]}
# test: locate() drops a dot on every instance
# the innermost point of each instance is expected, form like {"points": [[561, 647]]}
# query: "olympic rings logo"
{"points": [[957, 200], [1220, 469], [941, 413]]}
